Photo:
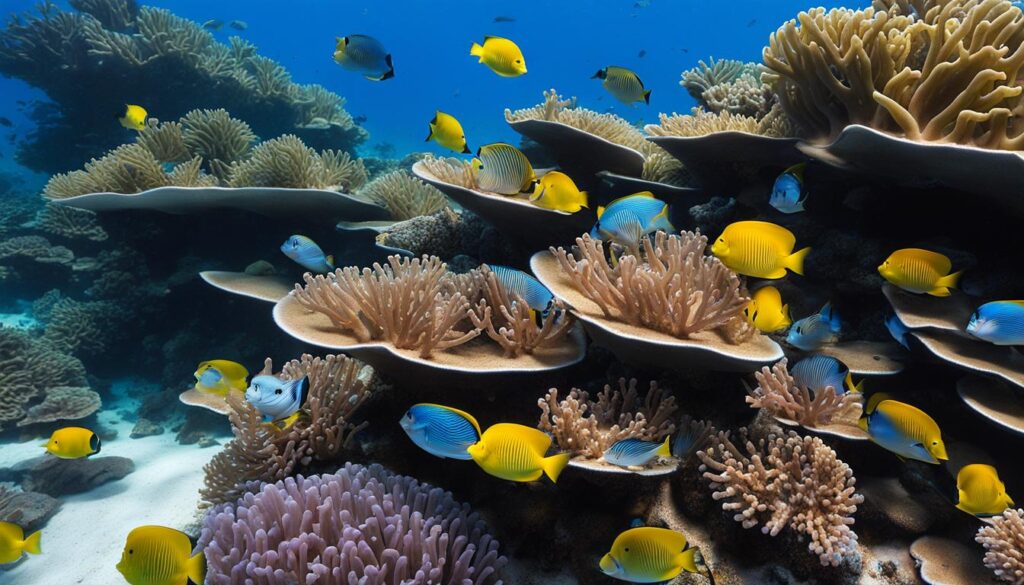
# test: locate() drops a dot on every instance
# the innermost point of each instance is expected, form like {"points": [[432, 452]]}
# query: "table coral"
{"points": [[1003, 540]]}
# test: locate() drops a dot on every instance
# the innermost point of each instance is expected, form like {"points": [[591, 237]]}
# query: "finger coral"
{"points": [[587, 427], [287, 162], [359, 525], [779, 394], [405, 196], [1003, 540], [787, 481], [511, 323], [338, 386]]}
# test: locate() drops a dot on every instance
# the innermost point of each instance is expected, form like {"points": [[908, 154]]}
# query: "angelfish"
{"points": [[788, 192], [903, 429], [649, 555], [999, 323], [277, 399], [441, 430]]}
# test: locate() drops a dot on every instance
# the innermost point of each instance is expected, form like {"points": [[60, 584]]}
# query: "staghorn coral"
{"points": [[71, 223], [63, 403], [287, 162], [783, 481], [450, 170], [360, 525], [729, 86], [338, 386], [1003, 540], [509, 321], [780, 395], [586, 427], [701, 123], [118, 15], [32, 43], [163, 33], [670, 287], [216, 137], [404, 196]]}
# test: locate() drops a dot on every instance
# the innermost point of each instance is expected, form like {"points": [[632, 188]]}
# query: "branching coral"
{"points": [[779, 393], [338, 386], [287, 162], [405, 196], [361, 525], [36, 248], [166, 142], [703, 77], [729, 86], [608, 126], [702, 123], [791, 481], [63, 403], [1003, 540], [71, 223], [116, 15], [509, 321], [586, 427], [130, 168], [190, 174], [216, 137], [671, 286]]}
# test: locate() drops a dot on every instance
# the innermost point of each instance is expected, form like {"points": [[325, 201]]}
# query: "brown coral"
{"points": [[779, 394], [404, 196], [288, 163], [63, 403], [511, 323], [216, 137], [1003, 540], [701, 123]]}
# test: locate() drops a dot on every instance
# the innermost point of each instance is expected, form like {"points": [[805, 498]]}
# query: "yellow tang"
{"points": [[903, 429], [624, 84], [133, 117], [73, 443], [981, 491], [516, 452], [649, 555], [155, 555], [766, 311], [13, 543], [760, 249], [220, 376], [446, 131], [502, 56], [503, 168], [557, 191], [920, 271]]}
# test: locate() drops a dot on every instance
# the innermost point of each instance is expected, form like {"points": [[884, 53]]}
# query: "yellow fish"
{"points": [[760, 249], [920, 271], [133, 117], [501, 55], [558, 191], [903, 429], [73, 443], [446, 131], [503, 168], [13, 543], [155, 555], [624, 84], [649, 555], [981, 491], [220, 376], [766, 311], [516, 452]]}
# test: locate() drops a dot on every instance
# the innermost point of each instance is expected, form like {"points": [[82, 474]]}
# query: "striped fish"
{"points": [[306, 253], [648, 554], [441, 430], [816, 331], [817, 372], [920, 271], [536, 295], [503, 168], [636, 453], [157, 555], [999, 322], [624, 84], [903, 429]]}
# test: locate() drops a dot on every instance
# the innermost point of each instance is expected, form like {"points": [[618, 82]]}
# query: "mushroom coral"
{"points": [[359, 525]]}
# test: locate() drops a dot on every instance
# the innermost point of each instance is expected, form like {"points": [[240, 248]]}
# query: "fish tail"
{"points": [[687, 560], [391, 68], [554, 465], [647, 97], [665, 450], [477, 51], [466, 150], [196, 568], [795, 261], [947, 282], [787, 318], [31, 544], [330, 261], [600, 211], [586, 200]]}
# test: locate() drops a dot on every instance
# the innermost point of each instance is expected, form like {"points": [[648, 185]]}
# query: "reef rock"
{"points": [[30, 510], [58, 477], [146, 428]]}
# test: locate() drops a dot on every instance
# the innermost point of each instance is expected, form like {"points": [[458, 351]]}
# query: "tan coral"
{"points": [[70, 223], [508, 320], [287, 162], [1003, 540], [405, 196], [216, 137], [828, 409]]}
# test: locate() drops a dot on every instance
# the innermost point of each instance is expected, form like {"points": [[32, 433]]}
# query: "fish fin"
{"points": [[850, 386], [391, 68], [797, 170], [787, 320], [687, 560], [302, 391], [196, 568], [463, 414], [466, 150], [947, 282], [600, 211], [874, 400], [586, 200], [430, 134], [477, 50], [554, 465], [94, 443], [329, 260], [647, 97], [31, 544], [795, 261], [665, 450], [799, 206], [862, 422], [537, 194]]}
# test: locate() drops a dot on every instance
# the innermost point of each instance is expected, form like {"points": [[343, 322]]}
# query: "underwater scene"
{"points": [[531, 293]]}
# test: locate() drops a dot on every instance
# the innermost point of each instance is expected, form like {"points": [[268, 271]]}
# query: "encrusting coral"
{"points": [[405, 196], [63, 403], [779, 394], [786, 481], [586, 427], [669, 286], [1003, 540], [338, 386], [29, 368], [358, 525]]}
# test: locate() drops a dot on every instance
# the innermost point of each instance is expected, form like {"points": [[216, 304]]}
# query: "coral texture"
{"points": [[509, 321], [70, 223], [779, 394], [783, 481], [361, 525], [404, 196], [1003, 540], [287, 162], [450, 170], [701, 123], [729, 86], [63, 403], [29, 367]]}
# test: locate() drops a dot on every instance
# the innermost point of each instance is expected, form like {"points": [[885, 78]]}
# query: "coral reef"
{"points": [[450, 170], [287, 162], [82, 327], [780, 395], [1003, 540], [729, 86], [587, 427], [338, 386], [216, 137], [509, 321], [701, 123], [63, 403], [36, 248], [786, 481], [70, 223], [29, 368], [405, 196], [371, 526]]}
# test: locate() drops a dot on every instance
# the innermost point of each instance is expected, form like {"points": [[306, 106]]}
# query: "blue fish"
{"points": [[816, 372], [898, 330], [307, 254], [277, 399], [364, 54], [536, 295], [788, 193], [816, 331], [441, 430], [999, 323], [636, 453], [627, 219], [690, 437]]}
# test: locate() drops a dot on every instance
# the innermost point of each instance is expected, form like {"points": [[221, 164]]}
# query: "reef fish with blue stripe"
{"points": [[442, 431], [634, 452]]}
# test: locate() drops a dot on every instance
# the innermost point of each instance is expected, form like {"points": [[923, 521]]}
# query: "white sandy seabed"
{"points": [[82, 543]]}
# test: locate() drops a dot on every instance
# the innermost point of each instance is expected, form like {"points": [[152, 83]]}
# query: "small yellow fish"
{"points": [[649, 555], [920, 271], [981, 491], [516, 452], [767, 312], [903, 429], [558, 191], [13, 543], [503, 168], [760, 249], [501, 55], [73, 443], [446, 131], [220, 376], [624, 84], [155, 555], [133, 117]]}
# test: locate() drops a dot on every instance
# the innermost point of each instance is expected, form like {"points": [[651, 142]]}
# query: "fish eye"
{"points": [[935, 443], [278, 391], [519, 60], [131, 551], [627, 550]]}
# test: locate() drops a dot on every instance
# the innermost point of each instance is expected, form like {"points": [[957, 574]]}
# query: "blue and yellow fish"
{"points": [[220, 376], [536, 295], [441, 430], [365, 55], [818, 330], [648, 554], [903, 429], [816, 372], [635, 452], [999, 323], [899, 331], [627, 220], [307, 254], [788, 192]]}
